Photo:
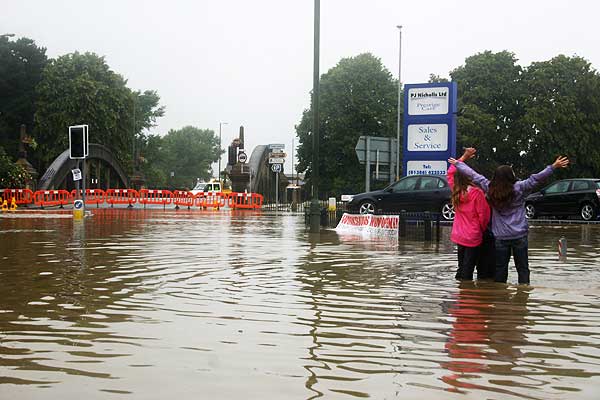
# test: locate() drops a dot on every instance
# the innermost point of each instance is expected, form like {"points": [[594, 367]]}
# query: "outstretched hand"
{"points": [[469, 153], [452, 161], [561, 162]]}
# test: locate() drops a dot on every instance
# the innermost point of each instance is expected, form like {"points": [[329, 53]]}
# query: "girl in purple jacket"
{"points": [[506, 196]]}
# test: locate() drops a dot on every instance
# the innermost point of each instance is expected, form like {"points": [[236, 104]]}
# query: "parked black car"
{"points": [[411, 193], [567, 197]]}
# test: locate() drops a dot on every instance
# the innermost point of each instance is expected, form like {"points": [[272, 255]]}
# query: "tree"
{"points": [[358, 97], [187, 152], [490, 98], [152, 164], [11, 175], [81, 88], [21, 65], [145, 113], [527, 116], [562, 115]]}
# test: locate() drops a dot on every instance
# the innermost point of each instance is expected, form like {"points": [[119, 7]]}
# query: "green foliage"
{"points": [[79, 89], [527, 116], [358, 97], [491, 106], [152, 163], [562, 115], [21, 65], [12, 176], [188, 152]]}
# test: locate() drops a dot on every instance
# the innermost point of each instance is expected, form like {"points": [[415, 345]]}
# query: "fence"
{"points": [[129, 197], [303, 206]]}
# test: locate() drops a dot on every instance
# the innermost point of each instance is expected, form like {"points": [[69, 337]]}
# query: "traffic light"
{"points": [[78, 142]]}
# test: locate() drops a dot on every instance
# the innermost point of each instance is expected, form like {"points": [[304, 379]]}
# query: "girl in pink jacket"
{"points": [[472, 215]]}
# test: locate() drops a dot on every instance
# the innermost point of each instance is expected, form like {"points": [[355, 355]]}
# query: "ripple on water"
{"points": [[152, 303]]}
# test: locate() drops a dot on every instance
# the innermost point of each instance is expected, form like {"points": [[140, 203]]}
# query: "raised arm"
{"points": [[468, 154], [477, 179], [534, 180]]}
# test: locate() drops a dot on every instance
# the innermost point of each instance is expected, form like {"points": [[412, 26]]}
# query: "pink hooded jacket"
{"points": [[472, 216]]}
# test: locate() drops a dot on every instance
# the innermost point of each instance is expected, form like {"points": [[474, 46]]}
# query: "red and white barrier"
{"points": [[369, 224]]}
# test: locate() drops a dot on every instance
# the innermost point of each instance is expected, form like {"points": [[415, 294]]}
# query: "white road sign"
{"points": [[76, 174], [242, 157], [279, 146], [276, 160]]}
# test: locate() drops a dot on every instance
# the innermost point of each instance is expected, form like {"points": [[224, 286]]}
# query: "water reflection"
{"points": [[490, 321], [154, 304]]}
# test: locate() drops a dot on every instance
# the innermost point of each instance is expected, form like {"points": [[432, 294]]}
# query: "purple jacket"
{"points": [[509, 223]]}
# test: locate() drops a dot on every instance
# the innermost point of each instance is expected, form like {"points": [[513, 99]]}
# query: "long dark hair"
{"points": [[501, 190], [459, 189]]}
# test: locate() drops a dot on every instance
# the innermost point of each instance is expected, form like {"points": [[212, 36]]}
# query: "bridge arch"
{"points": [[57, 173], [262, 178]]}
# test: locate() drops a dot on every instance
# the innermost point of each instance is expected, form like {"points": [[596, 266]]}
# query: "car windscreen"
{"points": [[199, 186]]}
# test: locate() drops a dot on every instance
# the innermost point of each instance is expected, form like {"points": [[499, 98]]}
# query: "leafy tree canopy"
{"points": [[527, 116], [11, 175], [81, 88], [21, 65], [562, 115], [358, 97], [187, 153]]}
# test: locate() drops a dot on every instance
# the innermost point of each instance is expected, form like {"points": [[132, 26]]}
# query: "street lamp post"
{"points": [[220, 124], [399, 100], [315, 212]]}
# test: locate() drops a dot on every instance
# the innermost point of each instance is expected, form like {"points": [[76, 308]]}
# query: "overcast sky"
{"points": [[249, 62]]}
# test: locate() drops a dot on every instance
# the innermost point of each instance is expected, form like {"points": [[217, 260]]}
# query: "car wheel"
{"points": [[529, 211], [448, 212], [587, 212], [366, 207]]}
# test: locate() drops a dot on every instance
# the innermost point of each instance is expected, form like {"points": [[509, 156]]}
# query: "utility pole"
{"points": [[219, 175], [315, 211], [399, 102]]}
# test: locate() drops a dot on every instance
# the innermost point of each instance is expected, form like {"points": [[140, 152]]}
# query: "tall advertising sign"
{"points": [[429, 127]]}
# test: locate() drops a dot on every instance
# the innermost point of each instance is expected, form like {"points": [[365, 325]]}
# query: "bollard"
{"points": [[13, 205], [438, 232], [331, 204], [562, 247], [78, 210], [5, 205], [427, 225], [402, 224]]}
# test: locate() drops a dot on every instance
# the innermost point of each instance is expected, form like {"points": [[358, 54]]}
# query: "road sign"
{"points": [[76, 174], [280, 154], [429, 127], [78, 204], [385, 146], [276, 160], [78, 142], [277, 168], [279, 146], [242, 157]]}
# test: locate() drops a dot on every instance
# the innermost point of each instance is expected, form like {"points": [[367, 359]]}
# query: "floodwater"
{"points": [[153, 304]]}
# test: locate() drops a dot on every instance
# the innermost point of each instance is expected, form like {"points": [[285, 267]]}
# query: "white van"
{"points": [[206, 187]]}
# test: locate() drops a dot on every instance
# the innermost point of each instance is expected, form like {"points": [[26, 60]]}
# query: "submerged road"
{"points": [[153, 304]]}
